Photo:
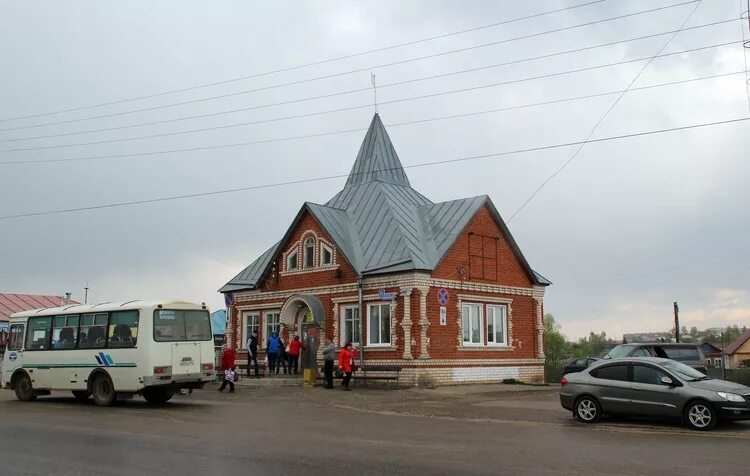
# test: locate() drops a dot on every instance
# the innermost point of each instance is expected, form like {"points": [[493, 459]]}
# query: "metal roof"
{"points": [[12, 303], [382, 225]]}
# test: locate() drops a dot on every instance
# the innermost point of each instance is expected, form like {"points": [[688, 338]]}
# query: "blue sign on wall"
{"points": [[386, 296]]}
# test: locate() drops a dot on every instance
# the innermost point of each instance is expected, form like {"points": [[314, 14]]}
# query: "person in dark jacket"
{"points": [[295, 346], [227, 365], [281, 357], [329, 355], [252, 352], [272, 352]]}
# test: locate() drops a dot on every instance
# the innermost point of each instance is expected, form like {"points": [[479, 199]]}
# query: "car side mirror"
{"points": [[667, 381]]}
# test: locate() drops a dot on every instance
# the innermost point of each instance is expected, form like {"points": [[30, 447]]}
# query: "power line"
{"points": [[339, 93], [367, 105], [368, 68], [413, 166], [596, 126], [360, 129]]}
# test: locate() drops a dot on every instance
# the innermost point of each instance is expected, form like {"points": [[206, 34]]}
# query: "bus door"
{"points": [[13, 358]]}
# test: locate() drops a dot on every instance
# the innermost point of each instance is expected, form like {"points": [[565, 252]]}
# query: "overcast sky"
{"points": [[626, 229]]}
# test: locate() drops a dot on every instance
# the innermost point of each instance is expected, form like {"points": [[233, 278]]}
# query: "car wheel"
{"points": [[24, 389], [588, 410], [700, 415], [103, 390]]}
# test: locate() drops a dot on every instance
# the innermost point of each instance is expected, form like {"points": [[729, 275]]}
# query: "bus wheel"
{"points": [[81, 395], [24, 389], [103, 390], [157, 396]]}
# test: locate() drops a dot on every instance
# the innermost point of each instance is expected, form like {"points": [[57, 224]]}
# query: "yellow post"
{"points": [[310, 376]]}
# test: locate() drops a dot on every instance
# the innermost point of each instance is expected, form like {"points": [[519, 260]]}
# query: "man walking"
{"points": [[252, 352], [329, 355], [273, 347]]}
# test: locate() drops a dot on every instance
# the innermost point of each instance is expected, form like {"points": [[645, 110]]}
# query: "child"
{"points": [[229, 378]]}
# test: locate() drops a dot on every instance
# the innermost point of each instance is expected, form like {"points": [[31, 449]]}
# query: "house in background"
{"points": [[712, 353], [738, 351], [12, 303], [441, 290]]}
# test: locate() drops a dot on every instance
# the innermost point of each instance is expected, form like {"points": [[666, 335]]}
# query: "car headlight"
{"points": [[731, 397]]}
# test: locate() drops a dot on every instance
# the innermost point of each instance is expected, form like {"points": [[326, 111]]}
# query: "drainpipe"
{"points": [[361, 328]]}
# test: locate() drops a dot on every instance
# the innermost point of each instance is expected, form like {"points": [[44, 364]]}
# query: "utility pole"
{"points": [[676, 322], [723, 367]]}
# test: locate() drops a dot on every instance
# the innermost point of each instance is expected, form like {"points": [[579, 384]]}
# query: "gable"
{"points": [[484, 252], [305, 228]]}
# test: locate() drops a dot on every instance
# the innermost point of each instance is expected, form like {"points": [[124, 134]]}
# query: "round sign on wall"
{"points": [[443, 296]]}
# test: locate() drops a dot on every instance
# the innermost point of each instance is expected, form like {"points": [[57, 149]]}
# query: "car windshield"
{"points": [[619, 352], [683, 371]]}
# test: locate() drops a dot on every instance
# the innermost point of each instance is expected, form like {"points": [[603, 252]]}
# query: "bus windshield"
{"points": [[181, 325]]}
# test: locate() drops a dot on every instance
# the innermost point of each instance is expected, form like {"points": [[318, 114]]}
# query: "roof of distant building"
{"points": [[381, 224], [12, 303], [732, 348]]}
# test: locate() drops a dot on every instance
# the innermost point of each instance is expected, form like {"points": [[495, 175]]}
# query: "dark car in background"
{"points": [[577, 364], [656, 388], [688, 354]]}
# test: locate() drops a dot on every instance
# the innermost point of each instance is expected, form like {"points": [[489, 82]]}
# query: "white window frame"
{"points": [[466, 324], [323, 249], [267, 331], [305, 253], [246, 315], [293, 254], [380, 305], [344, 319], [491, 316]]}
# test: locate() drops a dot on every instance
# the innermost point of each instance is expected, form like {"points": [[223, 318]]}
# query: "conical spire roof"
{"points": [[377, 159]]}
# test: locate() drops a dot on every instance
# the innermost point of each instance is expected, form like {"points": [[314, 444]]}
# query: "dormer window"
{"points": [[291, 261], [309, 252], [326, 255]]}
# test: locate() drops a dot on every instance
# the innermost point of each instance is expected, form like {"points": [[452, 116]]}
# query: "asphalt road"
{"points": [[298, 431]]}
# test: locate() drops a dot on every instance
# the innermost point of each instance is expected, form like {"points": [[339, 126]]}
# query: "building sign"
{"points": [[386, 296], [443, 297], [308, 316], [219, 340], [443, 315]]}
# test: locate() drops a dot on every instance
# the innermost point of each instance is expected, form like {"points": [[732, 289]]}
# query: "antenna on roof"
{"points": [[86, 293], [374, 90]]}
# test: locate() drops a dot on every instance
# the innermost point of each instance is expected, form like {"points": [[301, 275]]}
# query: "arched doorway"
{"points": [[303, 315]]}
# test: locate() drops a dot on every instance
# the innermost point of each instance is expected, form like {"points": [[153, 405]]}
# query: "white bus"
{"points": [[109, 351]]}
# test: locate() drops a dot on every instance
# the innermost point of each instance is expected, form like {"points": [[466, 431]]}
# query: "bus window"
{"points": [[123, 329], [64, 332], [15, 339], [93, 331], [40, 330], [174, 326]]}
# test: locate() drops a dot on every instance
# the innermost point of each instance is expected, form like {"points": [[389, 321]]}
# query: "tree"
{"points": [[556, 348]]}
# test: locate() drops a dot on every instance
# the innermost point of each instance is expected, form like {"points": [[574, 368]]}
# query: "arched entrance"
{"points": [[303, 315]]}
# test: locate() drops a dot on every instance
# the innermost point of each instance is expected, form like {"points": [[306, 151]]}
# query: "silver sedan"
{"points": [[653, 387]]}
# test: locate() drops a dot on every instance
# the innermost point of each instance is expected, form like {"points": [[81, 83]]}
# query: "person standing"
{"points": [[346, 364], [273, 347], [227, 365], [252, 352], [281, 357], [329, 354], [295, 346]]}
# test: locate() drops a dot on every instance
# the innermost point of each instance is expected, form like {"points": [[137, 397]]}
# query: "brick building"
{"points": [[445, 291]]}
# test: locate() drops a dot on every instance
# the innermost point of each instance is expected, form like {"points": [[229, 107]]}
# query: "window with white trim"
{"points": [[309, 252], [472, 323], [272, 321], [350, 316], [379, 324], [252, 323], [291, 261], [326, 255], [497, 325]]}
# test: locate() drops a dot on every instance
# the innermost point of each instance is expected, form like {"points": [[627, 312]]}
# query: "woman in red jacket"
{"points": [[346, 364], [227, 365], [295, 346]]}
